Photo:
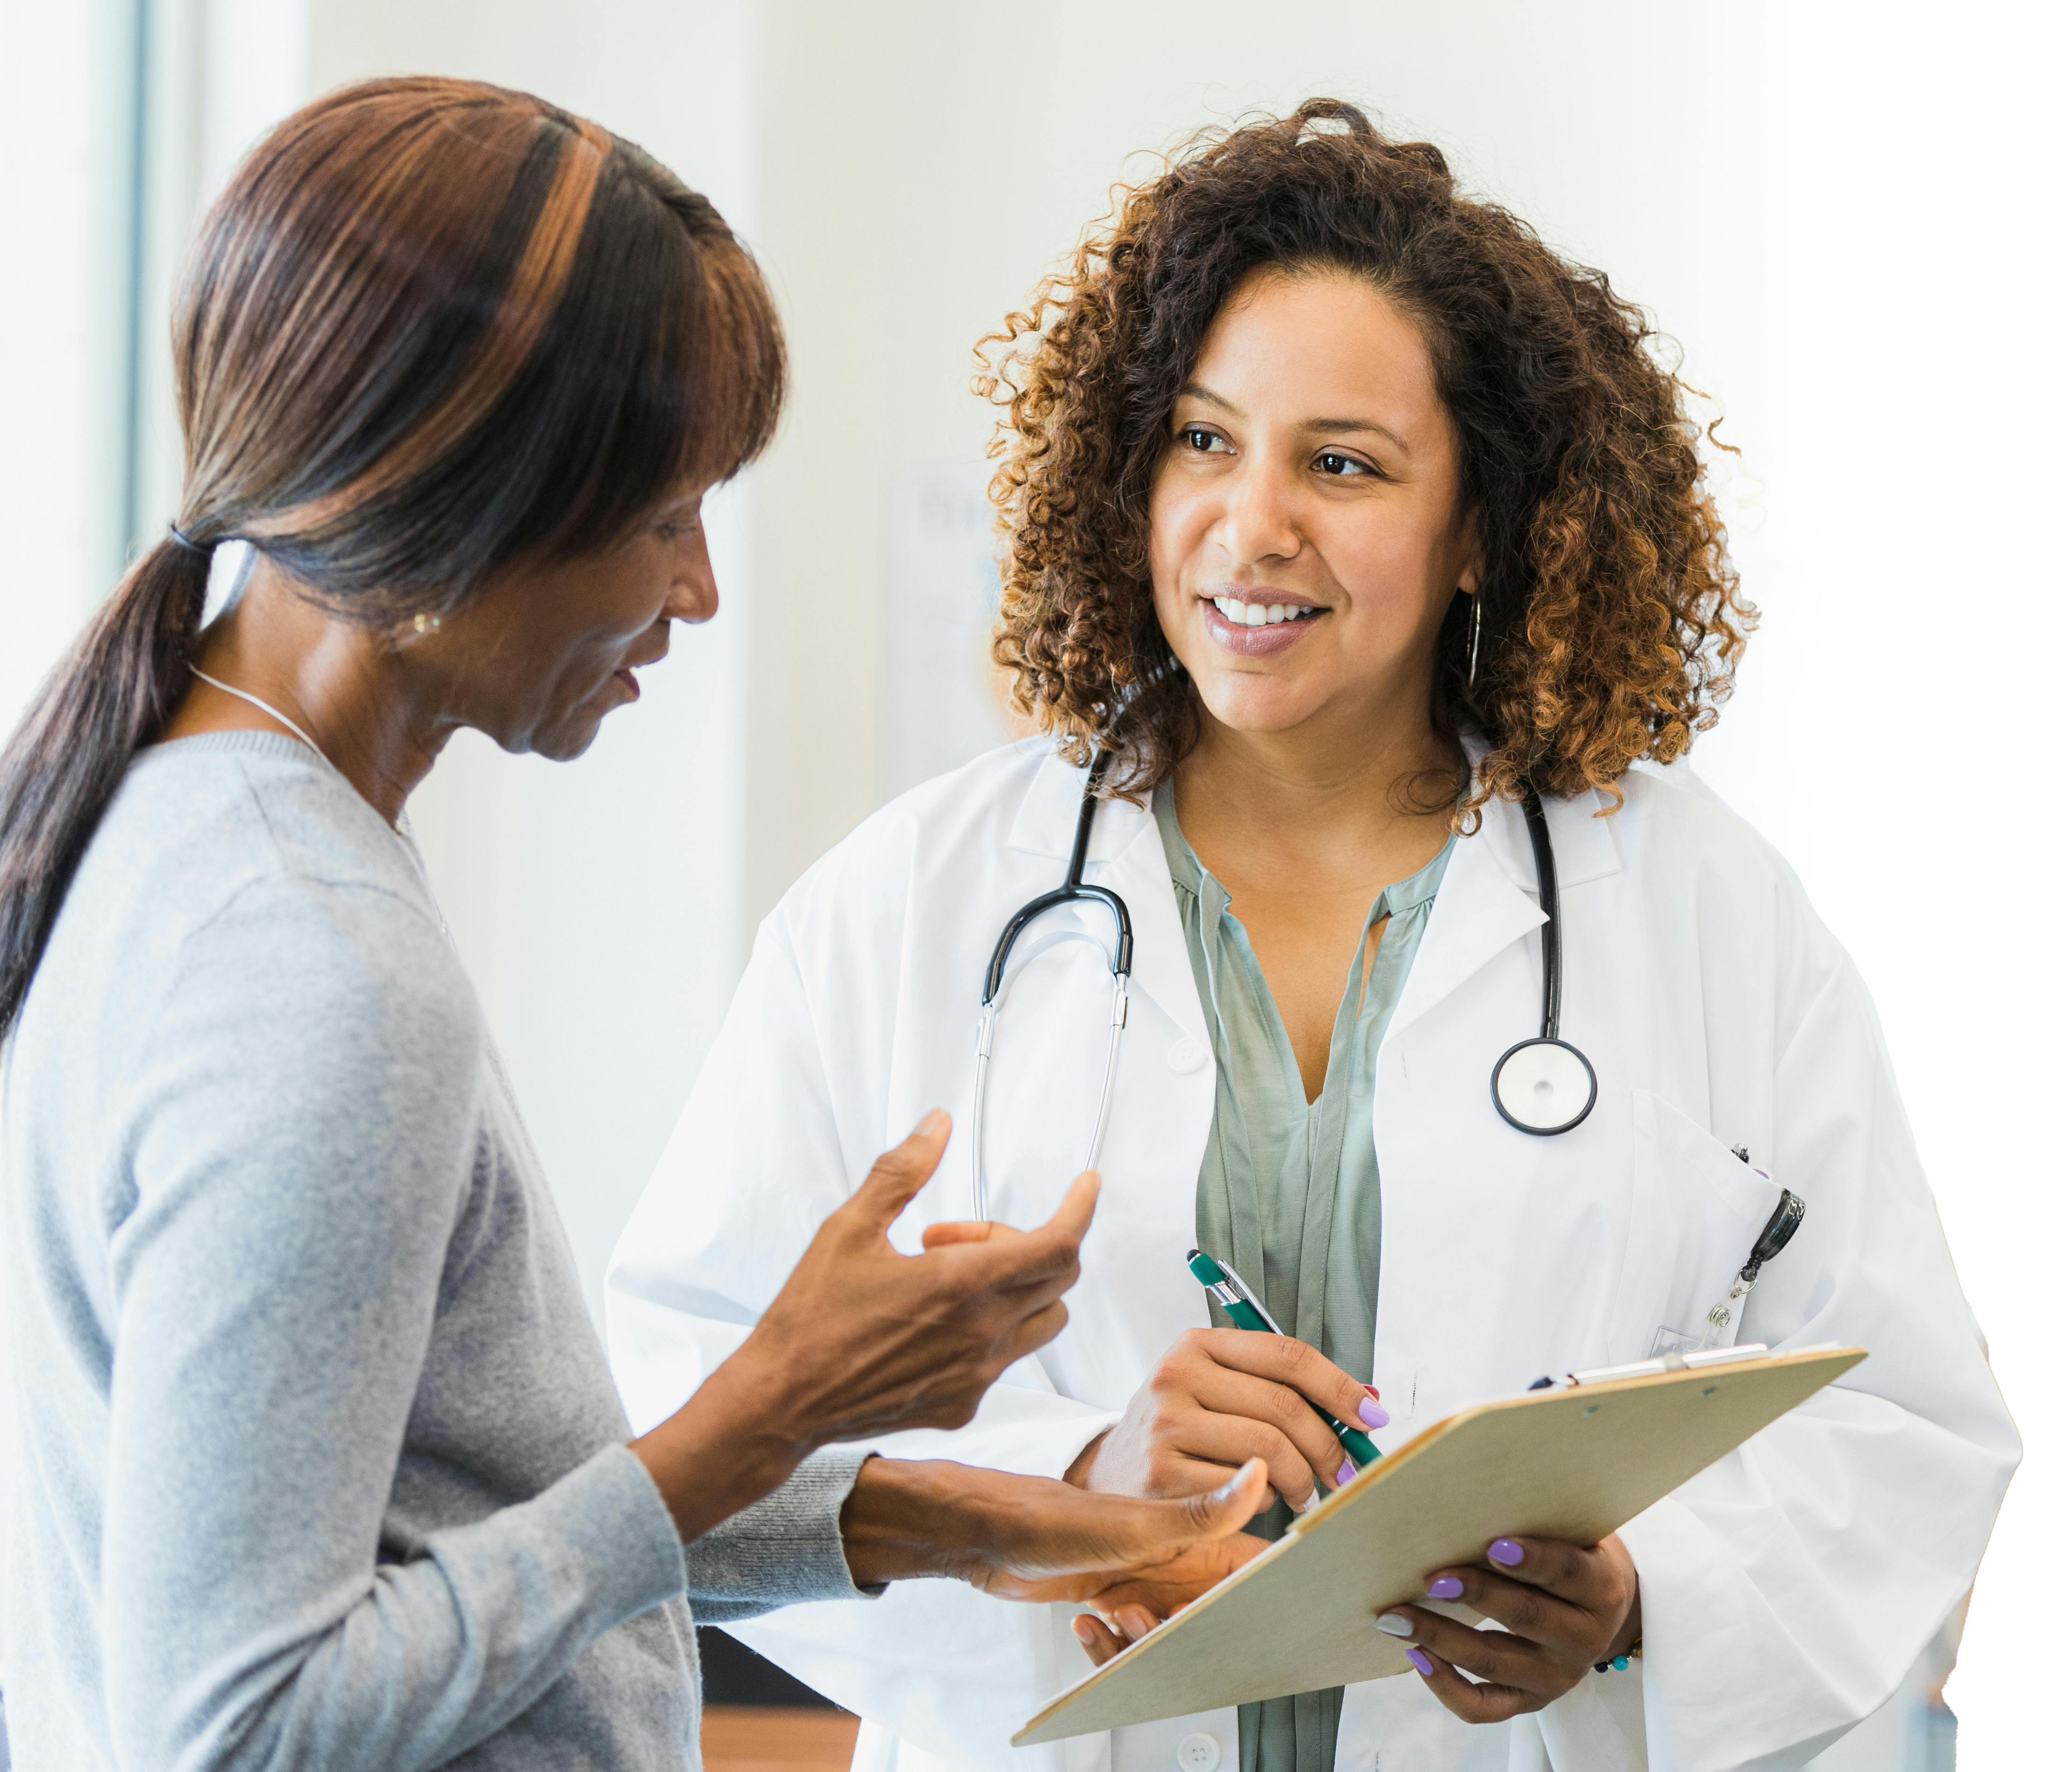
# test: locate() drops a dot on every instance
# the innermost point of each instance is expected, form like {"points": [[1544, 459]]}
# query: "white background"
{"points": [[1851, 216]]}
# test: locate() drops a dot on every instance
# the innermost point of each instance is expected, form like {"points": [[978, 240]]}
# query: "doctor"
{"points": [[1355, 525]]}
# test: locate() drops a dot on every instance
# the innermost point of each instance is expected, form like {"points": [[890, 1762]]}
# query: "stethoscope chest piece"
{"points": [[1543, 1086]]}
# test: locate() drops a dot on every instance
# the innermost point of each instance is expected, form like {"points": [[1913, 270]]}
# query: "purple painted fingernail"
{"points": [[1345, 1473], [1373, 1414], [1420, 1661], [1447, 1587], [1508, 1552]]}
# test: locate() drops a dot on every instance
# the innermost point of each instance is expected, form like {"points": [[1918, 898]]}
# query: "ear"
{"points": [[1472, 560]]}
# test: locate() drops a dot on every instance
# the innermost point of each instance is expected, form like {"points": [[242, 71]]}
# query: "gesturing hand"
{"points": [[1027, 1538], [863, 1340], [1564, 1607], [1218, 1397]]}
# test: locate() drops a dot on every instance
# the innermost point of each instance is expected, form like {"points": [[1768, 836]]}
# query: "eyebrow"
{"points": [[1333, 427]]}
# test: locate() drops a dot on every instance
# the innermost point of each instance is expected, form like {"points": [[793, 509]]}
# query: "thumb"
{"points": [[902, 1173], [1161, 1530], [1075, 1211], [1217, 1513]]}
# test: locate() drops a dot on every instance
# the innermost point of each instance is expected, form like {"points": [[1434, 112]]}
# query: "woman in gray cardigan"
{"points": [[317, 1461]]}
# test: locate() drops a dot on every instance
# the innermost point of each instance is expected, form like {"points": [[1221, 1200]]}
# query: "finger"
{"points": [[1101, 1644], [1141, 1533], [1531, 1612], [1488, 1655], [1075, 1211], [1037, 1330], [1217, 1513], [1472, 1704], [1222, 1392], [1166, 1588], [1227, 1441], [1578, 1573], [1005, 1258], [942, 1236], [901, 1174], [1284, 1360], [1136, 1622]]}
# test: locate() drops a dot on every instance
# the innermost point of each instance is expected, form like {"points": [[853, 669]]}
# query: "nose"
{"points": [[1258, 521], [692, 602], [694, 590]]}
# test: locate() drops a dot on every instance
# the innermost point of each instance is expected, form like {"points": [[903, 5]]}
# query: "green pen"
{"points": [[1246, 1312]]}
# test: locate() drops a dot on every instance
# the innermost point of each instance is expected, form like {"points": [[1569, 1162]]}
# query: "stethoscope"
{"points": [[1543, 1086], [1072, 891]]}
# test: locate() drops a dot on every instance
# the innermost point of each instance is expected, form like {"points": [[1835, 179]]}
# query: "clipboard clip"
{"points": [[1653, 1368]]}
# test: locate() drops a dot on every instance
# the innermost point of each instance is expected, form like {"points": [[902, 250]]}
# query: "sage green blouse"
{"points": [[1290, 1190]]}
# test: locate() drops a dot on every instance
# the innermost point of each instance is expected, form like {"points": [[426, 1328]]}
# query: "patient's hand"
{"points": [[1027, 1538], [1133, 1607]]}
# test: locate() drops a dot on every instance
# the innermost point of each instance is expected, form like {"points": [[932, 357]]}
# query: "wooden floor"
{"points": [[738, 1739]]}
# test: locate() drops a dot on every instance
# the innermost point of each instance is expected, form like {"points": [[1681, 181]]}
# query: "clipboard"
{"points": [[1575, 1462]]}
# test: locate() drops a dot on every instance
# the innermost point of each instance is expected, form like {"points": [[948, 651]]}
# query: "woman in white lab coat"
{"points": [[1347, 517]]}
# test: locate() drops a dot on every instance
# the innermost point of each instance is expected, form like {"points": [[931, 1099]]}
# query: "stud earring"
{"points": [[426, 624]]}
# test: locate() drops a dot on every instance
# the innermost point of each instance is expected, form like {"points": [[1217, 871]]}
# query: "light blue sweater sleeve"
{"points": [[304, 1138]]}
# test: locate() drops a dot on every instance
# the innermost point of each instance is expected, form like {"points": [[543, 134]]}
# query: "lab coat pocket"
{"points": [[1697, 1209]]}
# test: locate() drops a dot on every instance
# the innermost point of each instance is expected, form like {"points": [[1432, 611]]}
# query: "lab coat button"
{"points": [[1184, 1055], [1198, 1752]]}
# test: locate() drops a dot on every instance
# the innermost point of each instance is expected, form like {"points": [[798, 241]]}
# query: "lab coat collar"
{"points": [[1489, 899], [1583, 846], [1049, 816], [1490, 895]]}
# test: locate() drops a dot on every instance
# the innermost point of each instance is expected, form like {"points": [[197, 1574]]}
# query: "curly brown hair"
{"points": [[1613, 620]]}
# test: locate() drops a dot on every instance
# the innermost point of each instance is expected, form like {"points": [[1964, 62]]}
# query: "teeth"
{"points": [[1239, 614]]}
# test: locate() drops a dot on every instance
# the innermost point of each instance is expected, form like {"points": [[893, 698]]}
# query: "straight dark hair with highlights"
{"points": [[433, 328]]}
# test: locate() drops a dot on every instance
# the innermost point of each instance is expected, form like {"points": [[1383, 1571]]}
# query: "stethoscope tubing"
{"points": [[1547, 1074], [1074, 891], [1581, 1076]]}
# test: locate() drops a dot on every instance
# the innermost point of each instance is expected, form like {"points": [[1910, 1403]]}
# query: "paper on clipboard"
{"points": [[1575, 1464]]}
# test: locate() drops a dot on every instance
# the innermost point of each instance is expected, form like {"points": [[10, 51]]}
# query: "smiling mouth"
{"points": [[1241, 614]]}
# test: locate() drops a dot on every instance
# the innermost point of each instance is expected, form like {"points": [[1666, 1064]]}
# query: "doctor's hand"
{"points": [[1565, 1608], [1029, 1538], [1218, 1397], [863, 1340]]}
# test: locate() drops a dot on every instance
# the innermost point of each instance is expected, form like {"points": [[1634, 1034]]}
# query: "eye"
{"points": [[1340, 467], [1201, 441]]}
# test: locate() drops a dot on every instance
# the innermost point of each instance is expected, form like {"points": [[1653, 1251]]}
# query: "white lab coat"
{"points": [[1787, 1590]]}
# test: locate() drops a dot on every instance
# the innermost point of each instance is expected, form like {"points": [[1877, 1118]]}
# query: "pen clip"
{"points": [[1236, 1281]]}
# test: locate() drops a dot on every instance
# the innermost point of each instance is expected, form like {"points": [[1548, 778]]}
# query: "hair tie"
{"points": [[180, 539]]}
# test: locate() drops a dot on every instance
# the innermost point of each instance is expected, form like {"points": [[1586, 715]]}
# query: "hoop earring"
{"points": [[1475, 639]]}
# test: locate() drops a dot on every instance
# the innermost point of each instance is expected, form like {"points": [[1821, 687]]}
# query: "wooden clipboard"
{"points": [[1575, 1463]]}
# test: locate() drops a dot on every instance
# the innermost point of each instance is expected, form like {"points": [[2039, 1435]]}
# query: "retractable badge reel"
{"points": [[1724, 1318]]}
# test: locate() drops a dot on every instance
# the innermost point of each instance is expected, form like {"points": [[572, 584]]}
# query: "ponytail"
{"points": [[115, 689], [431, 329]]}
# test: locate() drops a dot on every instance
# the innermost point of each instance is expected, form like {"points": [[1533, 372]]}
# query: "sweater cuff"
{"points": [[785, 1548], [610, 1515]]}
